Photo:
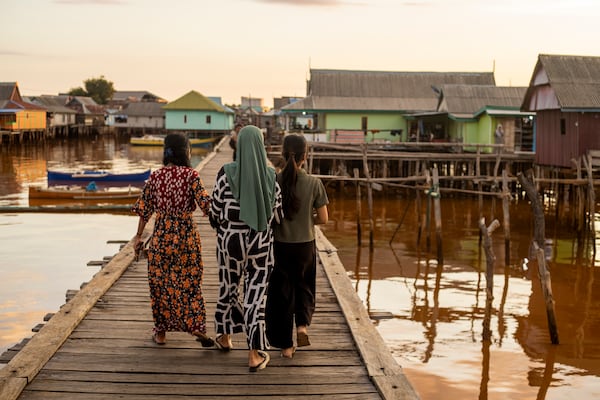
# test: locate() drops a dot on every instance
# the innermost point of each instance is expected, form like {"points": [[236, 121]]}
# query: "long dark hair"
{"points": [[176, 150], [294, 149]]}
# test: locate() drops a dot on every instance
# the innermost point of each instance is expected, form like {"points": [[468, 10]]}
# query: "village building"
{"points": [[473, 114], [140, 118], [369, 106], [59, 118], [564, 92], [89, 113], [122, 98], [18, 116], [198, 116]]}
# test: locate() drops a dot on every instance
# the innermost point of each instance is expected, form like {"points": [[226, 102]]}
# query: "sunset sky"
{"points": [[265, 48]]}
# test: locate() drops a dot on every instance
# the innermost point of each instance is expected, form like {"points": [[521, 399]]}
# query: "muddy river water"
{"points": [[432, 315]]}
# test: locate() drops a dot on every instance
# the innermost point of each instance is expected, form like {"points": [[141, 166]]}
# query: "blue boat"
{"points": [[100, 177]]}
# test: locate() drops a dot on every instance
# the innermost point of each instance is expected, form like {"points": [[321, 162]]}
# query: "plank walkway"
{"points": [[98, 345]]}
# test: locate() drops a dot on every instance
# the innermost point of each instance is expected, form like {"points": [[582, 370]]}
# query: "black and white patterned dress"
{"points": [[241, 251]]}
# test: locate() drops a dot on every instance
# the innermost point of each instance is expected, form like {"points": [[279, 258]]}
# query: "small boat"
{"points": [[99, 176], [153, 140], [84, 194]]}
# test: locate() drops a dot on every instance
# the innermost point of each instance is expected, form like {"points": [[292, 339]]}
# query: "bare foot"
{"points": [[288, 353]]}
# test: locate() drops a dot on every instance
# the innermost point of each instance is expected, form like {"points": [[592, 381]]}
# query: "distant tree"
{"points": [[99, 89], [79, 91]]}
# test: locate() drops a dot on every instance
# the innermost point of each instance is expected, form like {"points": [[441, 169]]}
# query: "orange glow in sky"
{"points": [[265, 48]]}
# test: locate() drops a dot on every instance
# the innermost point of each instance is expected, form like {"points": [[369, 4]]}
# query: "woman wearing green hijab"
{"points": [[246, 200]]}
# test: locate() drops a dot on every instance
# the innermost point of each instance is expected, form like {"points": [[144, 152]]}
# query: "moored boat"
{"points": [[154, 140], [99, 176], [82, 193]]}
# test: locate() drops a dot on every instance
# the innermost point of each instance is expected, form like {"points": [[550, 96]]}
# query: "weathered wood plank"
{"points": [[96, 396]]}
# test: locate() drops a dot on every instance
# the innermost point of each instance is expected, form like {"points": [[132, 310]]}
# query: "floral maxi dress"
{"points": [[175, 265]]}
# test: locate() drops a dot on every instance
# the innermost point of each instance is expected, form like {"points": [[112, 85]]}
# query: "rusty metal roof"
{"points": [[574, 81], [9, 91]]}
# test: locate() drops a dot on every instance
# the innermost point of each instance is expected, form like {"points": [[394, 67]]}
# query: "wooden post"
{"points": [[547, 291], [489, 273], [435, 193], [419, 212], [591, 194], [369, 193], [506, 216], [358, 207], [428, 214], [539, 237]]}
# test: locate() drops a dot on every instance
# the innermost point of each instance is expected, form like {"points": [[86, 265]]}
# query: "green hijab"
{"points": [[251, 181]]}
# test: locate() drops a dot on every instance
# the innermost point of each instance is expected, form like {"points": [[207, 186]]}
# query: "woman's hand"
{"points": [[138, 246]]}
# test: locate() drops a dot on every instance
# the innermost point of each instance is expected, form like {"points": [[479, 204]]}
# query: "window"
{"points": [[563, 126], [208, 119]]}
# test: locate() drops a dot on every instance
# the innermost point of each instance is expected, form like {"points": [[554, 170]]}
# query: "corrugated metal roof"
{"points": [[341, 83], [575, 80], [194, 101], [469, 99], [7, 89], [380, 90], [52, 103], [145, 109], [329, 103]]}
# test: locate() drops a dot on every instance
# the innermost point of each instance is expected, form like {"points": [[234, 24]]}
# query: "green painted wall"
{"points": [[479, 132], [196, 120], [383, 122]]}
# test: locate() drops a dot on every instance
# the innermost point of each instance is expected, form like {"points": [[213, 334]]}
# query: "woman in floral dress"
{"points": [[174, 254]]}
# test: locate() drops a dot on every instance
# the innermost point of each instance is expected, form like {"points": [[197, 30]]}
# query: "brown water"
{"points": [[430, 315]]}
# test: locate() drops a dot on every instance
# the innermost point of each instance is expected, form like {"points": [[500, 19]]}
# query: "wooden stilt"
{"points": [[369, 194], [486, 233], [506, 216], [438, 215], [539, 237], [358, 208]]}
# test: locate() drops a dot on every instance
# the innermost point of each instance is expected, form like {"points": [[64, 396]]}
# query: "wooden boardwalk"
{"points": [[98, 345]]}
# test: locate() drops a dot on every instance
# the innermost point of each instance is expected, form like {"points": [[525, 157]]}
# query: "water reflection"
{"points": [[433, 315], [25, 165], [43, 255]]}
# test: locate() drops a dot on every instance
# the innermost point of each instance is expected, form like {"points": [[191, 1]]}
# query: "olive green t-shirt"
{"points": [[301, 228]]}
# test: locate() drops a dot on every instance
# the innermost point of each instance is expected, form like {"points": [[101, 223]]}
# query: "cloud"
{"points": [[4, 52], [326, 3], [98, 2]]}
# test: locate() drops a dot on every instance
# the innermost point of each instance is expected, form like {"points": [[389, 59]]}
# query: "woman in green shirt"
{"points": [[291, 291]]}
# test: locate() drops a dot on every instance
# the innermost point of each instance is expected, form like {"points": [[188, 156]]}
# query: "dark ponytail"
{"points": [[294, 150]]}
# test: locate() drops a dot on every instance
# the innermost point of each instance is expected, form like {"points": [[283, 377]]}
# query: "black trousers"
{"points": [[291, 291]]}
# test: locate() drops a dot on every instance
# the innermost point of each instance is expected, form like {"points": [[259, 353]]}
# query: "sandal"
{"points": [[159, 337], [302, 339], [204, 340], [220, 345], [263, 363]]}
